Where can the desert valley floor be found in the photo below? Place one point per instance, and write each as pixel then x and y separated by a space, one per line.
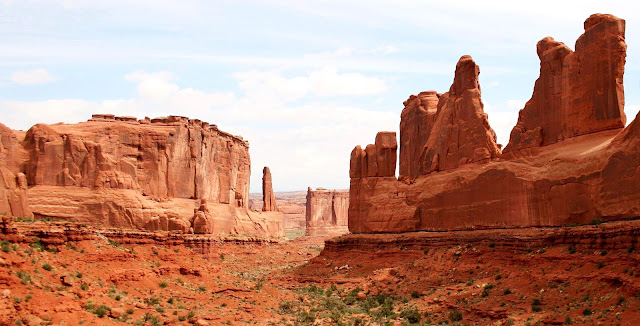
pixel 73 274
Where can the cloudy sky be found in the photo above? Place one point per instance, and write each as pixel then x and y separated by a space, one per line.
pixel 303 81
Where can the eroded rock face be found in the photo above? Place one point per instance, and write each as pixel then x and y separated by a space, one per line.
pixel 577 92
pixel 416 122
pixel 461 133
pixel 593 174
pixel 327 212
pixel 268 197
pixel 172 157
pixel 155 174
pixel 13 183
pixel 376 160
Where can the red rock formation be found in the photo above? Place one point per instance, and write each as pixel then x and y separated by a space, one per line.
pixel 152 174
pixel 326 213
pixel 577 92
pixel 461 133
pixel 268 198
pixel 417 119
pixel 377 160
pixel 291 204
pixel 13 184
pixel 581 179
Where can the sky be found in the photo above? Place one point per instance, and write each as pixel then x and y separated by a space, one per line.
pixel 303 81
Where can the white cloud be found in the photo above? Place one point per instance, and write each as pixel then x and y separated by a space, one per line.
pixel 515 104
pixel 631 111
pixel 323 82
pixel 328 82
pixel 32 77
pixel 304 144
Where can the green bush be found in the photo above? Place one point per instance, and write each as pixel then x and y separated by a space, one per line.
pixel 411 315
pixel 587 312
pixel 455 315
pixel 415 294
pixel 47 267
pixel 101 311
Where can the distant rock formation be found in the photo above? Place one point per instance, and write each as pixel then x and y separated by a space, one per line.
pixel 268 198
pixel 170 173
pixel 326 213
pixel 578 92
pixel 568 161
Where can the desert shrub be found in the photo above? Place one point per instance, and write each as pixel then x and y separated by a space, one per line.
pixel 536 308
pixel 415 294
pixel 47 267
pixel 411 315
pixel 587 312
pixel 285 307
pixel 101 311
pixel 162 284
pixel 572 249
pixel 455 315
pixel 507 291
pixel 24 277
pixel 37 245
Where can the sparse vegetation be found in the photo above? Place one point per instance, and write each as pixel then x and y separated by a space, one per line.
pixel 455 315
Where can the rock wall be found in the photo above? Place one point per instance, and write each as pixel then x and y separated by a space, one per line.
pixel 326 213
pixel 13 183
pixel 577 92
pixel 416 121
pixel 168 173
pixel 464 182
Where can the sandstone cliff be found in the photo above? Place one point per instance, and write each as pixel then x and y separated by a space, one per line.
pixel 461 132
pixel 592 174
pixel 326 213
pixel 577 92
pixel 168 173
pixel 13 183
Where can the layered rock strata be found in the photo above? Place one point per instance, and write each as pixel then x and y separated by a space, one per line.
pixel 326 213
pixel 590 172
pixel 169 173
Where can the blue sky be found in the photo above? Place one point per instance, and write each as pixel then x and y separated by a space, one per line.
pixel 303 81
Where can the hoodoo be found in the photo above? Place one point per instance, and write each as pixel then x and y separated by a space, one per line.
pixel 579 165
pixel 169 173
pixel 268 197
